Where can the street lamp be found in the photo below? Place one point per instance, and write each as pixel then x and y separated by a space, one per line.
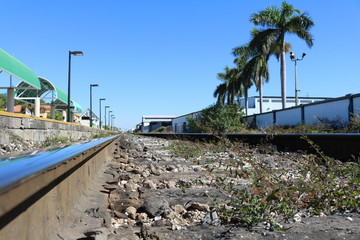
pixel 101 99
pixel 75 53
pixel 294 59
pixel 91 86
pixel 105 114
pixel 112 121
pixel 109 119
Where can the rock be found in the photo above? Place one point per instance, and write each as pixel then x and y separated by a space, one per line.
pixel 110 187
pixel 212 218
pixel 170 168
pixel 131 211
pixel 120 215
pixel 197 206
pixel 297 217
pixel 159 223
pixel 142 217
pixel 171 184
pixel 178 209
pixel 154 170
pixel 149 184
pixel 155 206
pixel 131 187
pixel 97 233
pixel 169 215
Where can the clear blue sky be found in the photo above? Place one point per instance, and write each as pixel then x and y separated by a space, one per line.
pixel 161 57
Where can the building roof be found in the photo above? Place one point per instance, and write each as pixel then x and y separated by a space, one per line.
pixel 17 69
pixel 57 96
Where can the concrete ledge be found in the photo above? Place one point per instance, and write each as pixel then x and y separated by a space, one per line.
pixel 35 129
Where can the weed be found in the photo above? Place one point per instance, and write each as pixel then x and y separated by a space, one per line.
pixel 54 140
pixel 257 192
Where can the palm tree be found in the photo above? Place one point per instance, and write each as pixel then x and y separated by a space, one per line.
pixel 230 88
pixel 279 22
pixel 255 66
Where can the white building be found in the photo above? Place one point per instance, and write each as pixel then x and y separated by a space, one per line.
pixel 275 103
pixel 85 119
pixel 150 123
pixel 179 124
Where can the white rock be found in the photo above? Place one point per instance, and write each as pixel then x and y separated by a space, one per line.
pixel 131 211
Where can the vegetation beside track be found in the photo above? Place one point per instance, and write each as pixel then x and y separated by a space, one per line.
pixel 314 185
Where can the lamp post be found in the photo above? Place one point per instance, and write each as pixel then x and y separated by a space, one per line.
pixel 111 125
pixel 75 53
pixel 91 86
pixel 101 99
pixel 109 119
pixel 294 59
pixel 105 114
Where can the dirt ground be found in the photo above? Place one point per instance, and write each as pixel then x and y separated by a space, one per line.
pixel 146 193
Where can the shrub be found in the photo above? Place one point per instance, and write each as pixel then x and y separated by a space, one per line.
pixel 217 119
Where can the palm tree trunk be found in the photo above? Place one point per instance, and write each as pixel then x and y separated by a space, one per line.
pixel 261 93
pixel 246 102
pixel 283 78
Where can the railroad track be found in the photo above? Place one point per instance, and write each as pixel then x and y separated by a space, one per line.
pixel 339 146
pixel 46 181
pixel 52 180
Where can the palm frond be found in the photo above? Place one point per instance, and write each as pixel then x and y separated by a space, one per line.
pixel 263 41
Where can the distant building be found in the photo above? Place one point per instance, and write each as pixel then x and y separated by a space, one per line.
pixel 84 119
pixel 275 103
pixel 180 124
pixel 152 122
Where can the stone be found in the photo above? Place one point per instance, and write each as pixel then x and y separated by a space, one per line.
pixel 120 215
pixel 159 223
pixel 154 170
pixel 211 218
pixel 97 233
pixel 142 217
pixel 155 206
pixel 197 206
pixel 131 186
pixel 169 215
pixel 171 184
pixel 178 209
pixel 131 211
pixel 149 184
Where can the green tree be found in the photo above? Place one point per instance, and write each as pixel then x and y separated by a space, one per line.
pixel 254 64
pixel 2 101
pixel 279 22
pixel 217 118
pixel 231 88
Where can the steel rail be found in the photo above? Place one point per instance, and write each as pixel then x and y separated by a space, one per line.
pixel 27 179
pixel 341 146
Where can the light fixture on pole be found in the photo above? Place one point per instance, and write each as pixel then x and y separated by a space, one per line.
pixel 109 119
pixel 101 99
pixel 294 59
pixel 75 53
pixel 105 115
pixel 91 112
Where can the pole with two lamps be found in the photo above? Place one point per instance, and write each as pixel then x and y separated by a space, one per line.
pixel 294 59
pixel 75 53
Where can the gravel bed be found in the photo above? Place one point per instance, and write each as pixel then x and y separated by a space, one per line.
pixel 150 194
